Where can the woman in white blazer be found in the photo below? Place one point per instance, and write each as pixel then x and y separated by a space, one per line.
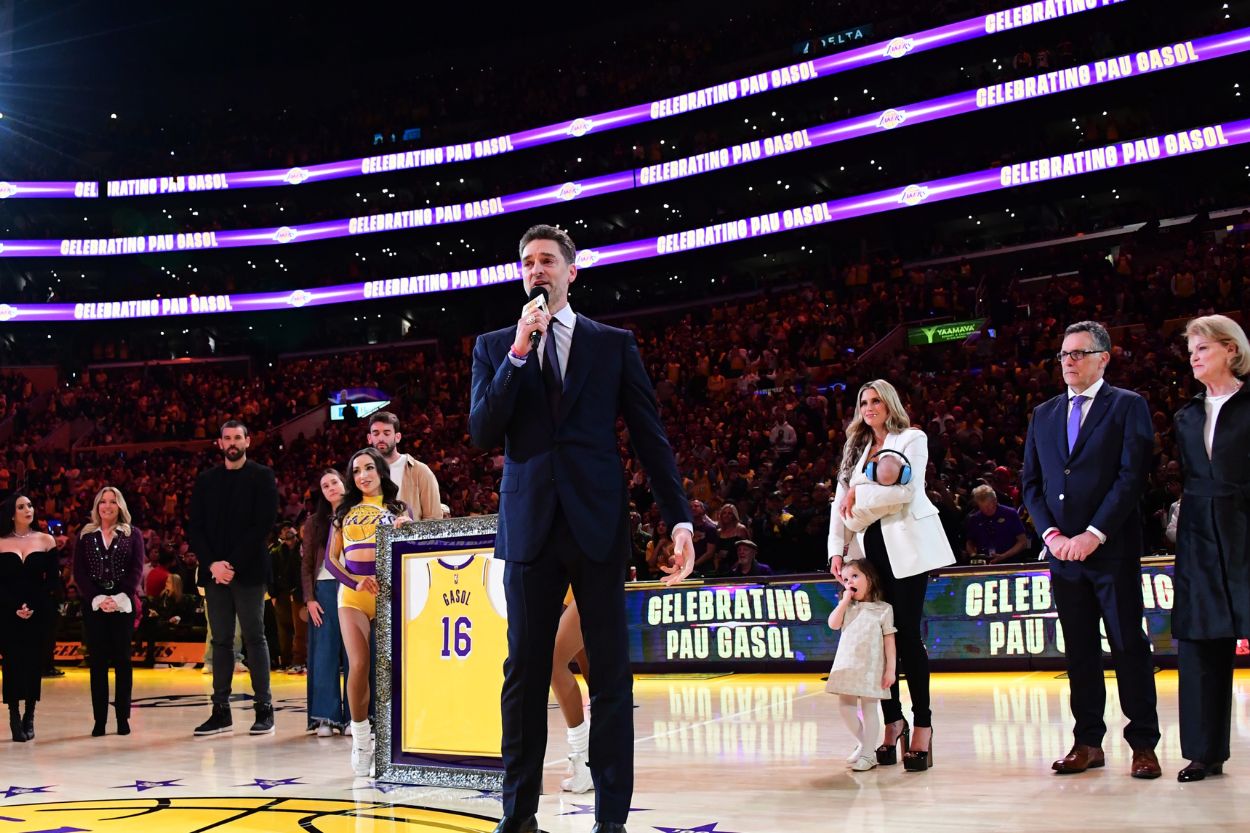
pixel 904 541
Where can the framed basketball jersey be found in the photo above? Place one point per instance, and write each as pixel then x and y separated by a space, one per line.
pixel 455 644
pixel 442 637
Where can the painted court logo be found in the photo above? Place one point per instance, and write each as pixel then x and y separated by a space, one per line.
pixel 914 195
pixel 278 814
pixel 295 176
pixel 285 235
pixel 891 119
pixel 7 313
pixel 899 47
pixel 7 189
pixel 569 191
pixel 580 127
pixel 587 257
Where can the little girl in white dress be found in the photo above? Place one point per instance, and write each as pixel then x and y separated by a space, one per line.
pixel 864 666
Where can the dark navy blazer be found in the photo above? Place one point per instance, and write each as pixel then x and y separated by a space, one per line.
pixel 1100 483
pixel 573 457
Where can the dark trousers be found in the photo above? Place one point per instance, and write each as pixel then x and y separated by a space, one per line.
pixel 534 593
pixel 108 636
pixel 247 602
pixel 21 642
pixel 1085 592
pixel 906 596
pixel 1206 695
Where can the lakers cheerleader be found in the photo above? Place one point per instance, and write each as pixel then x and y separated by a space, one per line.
pixel 372 501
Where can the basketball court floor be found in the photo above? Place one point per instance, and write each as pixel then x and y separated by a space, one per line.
pixel 732 754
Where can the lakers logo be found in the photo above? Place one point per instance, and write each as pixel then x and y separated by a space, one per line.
pixel 7 313
pixel 299 297
pixel 7 189
pixel 235 815
pixel 285 234
pixel 362 522
pixel 914 195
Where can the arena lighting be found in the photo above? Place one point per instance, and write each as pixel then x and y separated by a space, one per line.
pixel 1130 65
pixel 965 30
pixel 1093 160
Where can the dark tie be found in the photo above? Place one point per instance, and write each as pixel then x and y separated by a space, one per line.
pixel 552 379
pixel 1074 420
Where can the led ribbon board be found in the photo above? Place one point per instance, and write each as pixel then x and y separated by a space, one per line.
pixel 968 101
pixel 1093 160
pixel 965 30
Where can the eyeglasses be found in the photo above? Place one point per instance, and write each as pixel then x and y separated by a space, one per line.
pixel 1075 355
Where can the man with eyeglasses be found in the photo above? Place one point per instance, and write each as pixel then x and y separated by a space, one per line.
pixel 1086 458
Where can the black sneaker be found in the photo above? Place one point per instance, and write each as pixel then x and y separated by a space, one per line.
pixel 264 719
pixel 220 722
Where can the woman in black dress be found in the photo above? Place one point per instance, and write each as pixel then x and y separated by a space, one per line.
pixel 1212 574
pixel 108 564
pixel 29 578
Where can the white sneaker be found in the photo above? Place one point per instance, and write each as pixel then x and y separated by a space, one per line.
pixel 579 780
pixel 324 730
pixel 855 753
pixel 362 759
pixel 864 764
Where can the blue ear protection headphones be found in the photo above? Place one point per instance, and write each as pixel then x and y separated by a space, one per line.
pixel 904 476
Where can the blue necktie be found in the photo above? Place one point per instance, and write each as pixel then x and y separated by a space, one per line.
pixel 552 380
pixel 1074 420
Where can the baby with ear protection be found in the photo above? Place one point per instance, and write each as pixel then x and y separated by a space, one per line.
pixel 884 468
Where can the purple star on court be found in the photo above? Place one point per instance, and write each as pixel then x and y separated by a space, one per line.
pixel 270 783
pixel 13 791
pixel 386 787
pixel 587 809
pixel 149 785
pixel 710 827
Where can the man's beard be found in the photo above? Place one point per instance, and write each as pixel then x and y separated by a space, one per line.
pixel 384 448
pixel 233 453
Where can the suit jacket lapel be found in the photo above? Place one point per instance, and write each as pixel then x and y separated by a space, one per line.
pixel 1097 411
pixel 1060 420
pixel 580 362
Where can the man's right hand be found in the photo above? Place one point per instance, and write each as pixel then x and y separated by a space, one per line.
pixel 533 321
pixel 221 571
pixel 314 613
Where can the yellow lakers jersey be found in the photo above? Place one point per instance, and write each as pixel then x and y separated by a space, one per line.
pixel 454 649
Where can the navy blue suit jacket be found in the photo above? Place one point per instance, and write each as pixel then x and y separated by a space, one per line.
pixel 572 458
pixel 1100 483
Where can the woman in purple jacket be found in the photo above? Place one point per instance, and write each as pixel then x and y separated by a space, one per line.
pixel 108 564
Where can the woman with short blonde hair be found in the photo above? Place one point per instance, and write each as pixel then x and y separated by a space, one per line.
pixel 108 566
pixel 1212 574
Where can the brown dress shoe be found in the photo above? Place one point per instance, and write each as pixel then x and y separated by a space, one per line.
pixel 1081 758
pixel 1145 764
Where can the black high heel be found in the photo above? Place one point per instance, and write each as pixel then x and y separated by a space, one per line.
pixel 887 754
pixel 28 721
pixel 15 726
pixel 921 759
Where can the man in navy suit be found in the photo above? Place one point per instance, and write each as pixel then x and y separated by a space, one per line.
pixel 563 517
pixel 1086 458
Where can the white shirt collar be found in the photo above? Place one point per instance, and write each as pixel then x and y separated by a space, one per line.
pixel 566 316
pixel 1089 393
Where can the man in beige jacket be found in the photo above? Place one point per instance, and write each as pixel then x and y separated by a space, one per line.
pixel 418 488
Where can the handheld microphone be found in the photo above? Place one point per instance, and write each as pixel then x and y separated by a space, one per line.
pixel 538 301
